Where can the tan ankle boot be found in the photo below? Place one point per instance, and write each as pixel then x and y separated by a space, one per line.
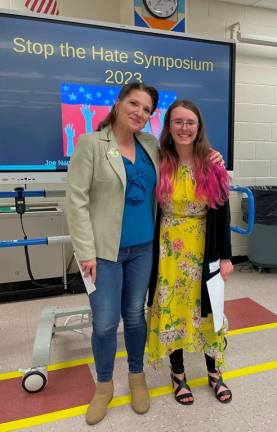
pixel 97 408
pixel 140 400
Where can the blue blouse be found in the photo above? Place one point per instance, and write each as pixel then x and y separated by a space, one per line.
pixel 138 216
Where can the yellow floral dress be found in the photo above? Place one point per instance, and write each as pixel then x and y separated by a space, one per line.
pixel 174 320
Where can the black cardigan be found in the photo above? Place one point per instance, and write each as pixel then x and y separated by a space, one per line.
pixel 217 246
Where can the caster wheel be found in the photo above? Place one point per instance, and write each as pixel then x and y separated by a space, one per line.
pixel 225 343
pixel 34 381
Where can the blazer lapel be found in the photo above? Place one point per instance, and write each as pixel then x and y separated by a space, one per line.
pixel 150 149
pixel 113 154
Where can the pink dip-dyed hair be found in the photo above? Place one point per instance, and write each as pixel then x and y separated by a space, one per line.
pixel 212 180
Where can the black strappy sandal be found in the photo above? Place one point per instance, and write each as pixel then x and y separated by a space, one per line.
pixel 182 399
pixel 218 383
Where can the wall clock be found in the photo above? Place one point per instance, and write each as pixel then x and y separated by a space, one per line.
pixel 161 8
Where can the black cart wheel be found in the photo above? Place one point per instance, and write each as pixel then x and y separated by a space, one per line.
pixel 34 381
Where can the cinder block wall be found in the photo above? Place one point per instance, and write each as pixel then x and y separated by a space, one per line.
pixel 256 80
pixel 255 147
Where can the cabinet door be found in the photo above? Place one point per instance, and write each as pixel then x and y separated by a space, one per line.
pixel 46 260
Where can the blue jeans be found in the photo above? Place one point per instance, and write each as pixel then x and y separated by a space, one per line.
pixel 121 289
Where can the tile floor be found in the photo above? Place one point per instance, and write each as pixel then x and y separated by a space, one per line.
pixel 253 408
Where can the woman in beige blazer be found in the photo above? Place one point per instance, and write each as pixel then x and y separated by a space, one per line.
pixel 110 211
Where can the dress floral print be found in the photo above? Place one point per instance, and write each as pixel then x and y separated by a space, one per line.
pixel 174 320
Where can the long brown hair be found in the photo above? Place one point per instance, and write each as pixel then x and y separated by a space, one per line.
pixel 124 92
pixel 212 180
pixel 201 145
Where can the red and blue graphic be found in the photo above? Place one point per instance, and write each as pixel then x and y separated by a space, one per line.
pixel 84 106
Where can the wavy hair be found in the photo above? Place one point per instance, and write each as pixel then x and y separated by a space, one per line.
pixel 124 92
pixel 212 180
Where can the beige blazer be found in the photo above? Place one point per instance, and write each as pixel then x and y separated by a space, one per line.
pixel 96 183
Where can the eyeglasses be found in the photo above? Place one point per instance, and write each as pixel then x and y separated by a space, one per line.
pixel 178 123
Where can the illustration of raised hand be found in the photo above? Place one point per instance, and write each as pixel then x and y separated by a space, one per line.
pixel 88 115
pixel 111 106
pixel 70 134
pixel 148 127
pixel 161 117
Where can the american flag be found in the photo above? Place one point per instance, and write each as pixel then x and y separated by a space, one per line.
pixel 43 6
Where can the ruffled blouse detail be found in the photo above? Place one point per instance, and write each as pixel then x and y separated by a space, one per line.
pixel 135 174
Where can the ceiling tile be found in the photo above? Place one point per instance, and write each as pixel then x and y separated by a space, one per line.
pixel 267 4
pixel 241 2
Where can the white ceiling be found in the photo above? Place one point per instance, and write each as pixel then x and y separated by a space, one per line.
pixel 268 4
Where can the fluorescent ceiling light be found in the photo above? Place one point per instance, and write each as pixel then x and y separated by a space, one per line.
pixel 256 39
pixel 253 39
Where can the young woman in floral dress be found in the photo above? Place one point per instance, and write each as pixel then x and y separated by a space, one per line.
pixel 194 233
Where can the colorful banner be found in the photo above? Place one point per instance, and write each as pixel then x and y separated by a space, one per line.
pixel 84 106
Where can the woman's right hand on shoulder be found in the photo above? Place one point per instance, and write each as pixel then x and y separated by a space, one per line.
pixel 89 268
pixel 216 157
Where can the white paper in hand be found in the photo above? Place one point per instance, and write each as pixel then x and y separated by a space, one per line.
pixel 216 293
pixel 90 287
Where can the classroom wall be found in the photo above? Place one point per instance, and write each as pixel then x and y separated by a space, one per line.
pixel 255 149
pixel 103 10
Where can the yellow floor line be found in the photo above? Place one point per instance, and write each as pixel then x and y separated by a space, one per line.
pixel 42 419
pixel 61 365
pixel 125 399
pixel 123 354
pixel 9 375
pixel 252 329
pixel 79 362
